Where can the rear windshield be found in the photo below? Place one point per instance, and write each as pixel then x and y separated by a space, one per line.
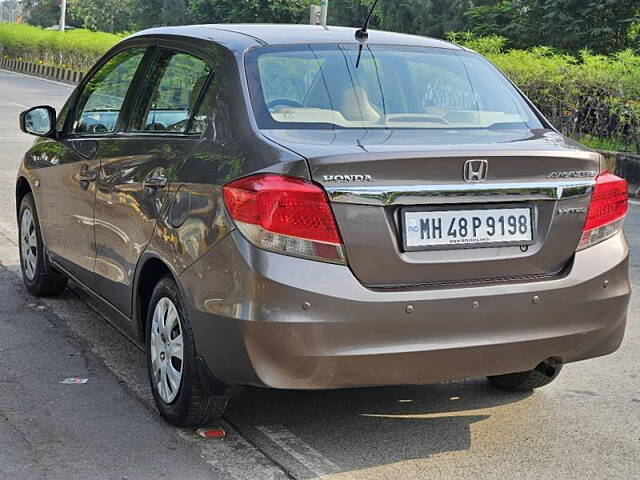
pixel 319 86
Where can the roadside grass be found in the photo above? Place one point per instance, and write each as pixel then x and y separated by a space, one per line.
pixel 592 98
pixel 73 49
pixel 605 143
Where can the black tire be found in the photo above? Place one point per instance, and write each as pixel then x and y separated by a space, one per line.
pixel 193 406
pixel 542 375
pixel 45 280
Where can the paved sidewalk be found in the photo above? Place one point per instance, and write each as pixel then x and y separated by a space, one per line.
pixel 95 430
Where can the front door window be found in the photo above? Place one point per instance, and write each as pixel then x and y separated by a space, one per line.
pixel 101 100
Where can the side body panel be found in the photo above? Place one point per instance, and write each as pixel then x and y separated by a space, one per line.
pixel 65 199
pixel 126 210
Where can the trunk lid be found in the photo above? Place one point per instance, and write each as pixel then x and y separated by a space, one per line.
pixel 373 176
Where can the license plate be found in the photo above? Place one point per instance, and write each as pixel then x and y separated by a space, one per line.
pixel 467 228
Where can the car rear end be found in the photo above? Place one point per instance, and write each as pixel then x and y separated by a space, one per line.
pixel 445 234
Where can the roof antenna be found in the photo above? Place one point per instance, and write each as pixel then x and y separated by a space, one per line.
pixel 362 35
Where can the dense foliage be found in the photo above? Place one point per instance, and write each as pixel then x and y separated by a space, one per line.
pixel 587 96
pixel 603 26
pixel 106 15
pixel 234 11
pixel 76 49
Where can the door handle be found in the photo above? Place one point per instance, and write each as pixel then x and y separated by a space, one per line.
pixel 156 179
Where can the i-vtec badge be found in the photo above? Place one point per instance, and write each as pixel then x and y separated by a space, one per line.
pixel 574 174
pixel 347 178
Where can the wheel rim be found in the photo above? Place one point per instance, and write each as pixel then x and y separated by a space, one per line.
pixel 167 350
pixel 28 244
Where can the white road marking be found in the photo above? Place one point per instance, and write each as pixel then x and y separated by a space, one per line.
pixel 234 457
pixel 422 416
pixel 15 104
pixel 301 451
pixel 635 202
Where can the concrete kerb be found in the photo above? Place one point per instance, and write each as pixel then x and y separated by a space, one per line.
pixel 59 74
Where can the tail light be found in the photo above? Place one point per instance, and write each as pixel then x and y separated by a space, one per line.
pixel 609 204
pixel 285 215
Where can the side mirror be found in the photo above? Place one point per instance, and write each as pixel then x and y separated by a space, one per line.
pixel 39 121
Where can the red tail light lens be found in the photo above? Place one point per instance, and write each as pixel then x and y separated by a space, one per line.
pixel 609 204
pixel 286 215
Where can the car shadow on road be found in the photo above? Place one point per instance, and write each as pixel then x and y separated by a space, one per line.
pixel 363 428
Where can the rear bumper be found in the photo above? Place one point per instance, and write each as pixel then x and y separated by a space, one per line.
pixel 265 319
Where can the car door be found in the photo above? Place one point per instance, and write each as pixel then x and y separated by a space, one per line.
pixel 67 192
pixel 137 167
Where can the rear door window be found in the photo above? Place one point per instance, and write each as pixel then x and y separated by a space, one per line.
pixel 206 110
pixel 172 94
pixel 102 97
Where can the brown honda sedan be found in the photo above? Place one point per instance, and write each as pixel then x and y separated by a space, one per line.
pixel 293 207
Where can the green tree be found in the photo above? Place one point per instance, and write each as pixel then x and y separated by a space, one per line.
pixel 249 11
pixel 434 18
pixel 502 17
pixel 43 13
pixel 599 25
pixel 603 26
pixel 154 13
pixel 352 13
pixel 105 15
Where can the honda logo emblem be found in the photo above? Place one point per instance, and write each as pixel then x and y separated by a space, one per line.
pixel 475 170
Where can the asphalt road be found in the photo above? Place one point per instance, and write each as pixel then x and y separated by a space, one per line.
pixel 585 425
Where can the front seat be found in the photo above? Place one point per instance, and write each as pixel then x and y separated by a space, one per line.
pixel 356 106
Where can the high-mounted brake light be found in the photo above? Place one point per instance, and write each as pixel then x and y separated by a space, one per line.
pixel 609 204
pixel 286 215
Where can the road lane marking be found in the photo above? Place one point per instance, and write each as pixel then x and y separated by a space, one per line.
pixel 301 451
pixel 234 458
pixel 635 202
pixel 425 416
pixel 14 104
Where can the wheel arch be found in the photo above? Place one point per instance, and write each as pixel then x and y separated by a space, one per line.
pixel 22 188
pixel 151 269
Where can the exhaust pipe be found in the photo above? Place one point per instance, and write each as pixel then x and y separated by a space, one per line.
pixel 549 368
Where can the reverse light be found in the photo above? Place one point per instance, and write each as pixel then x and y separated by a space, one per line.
pixel 285 215
pixel 609 204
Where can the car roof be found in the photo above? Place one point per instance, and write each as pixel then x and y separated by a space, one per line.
pixel 241 36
